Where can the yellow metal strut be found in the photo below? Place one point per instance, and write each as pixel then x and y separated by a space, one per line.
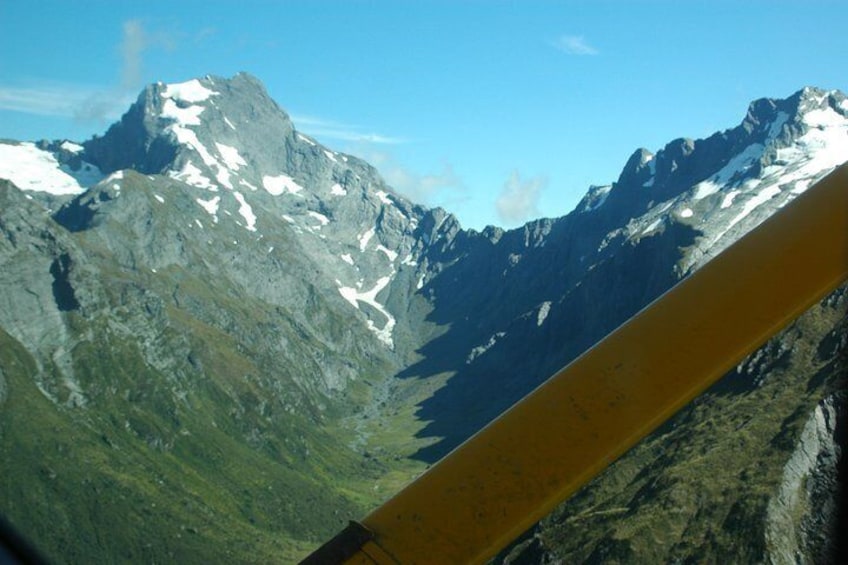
pixel 523 464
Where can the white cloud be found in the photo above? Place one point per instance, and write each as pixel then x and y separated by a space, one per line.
pixel 45 100
pixel 574 45
pixel 103 106
pixel 328 129
pixel 136 40
pixel 86 103
pixel 133 44
pixel 428 188
pixel 204 33
pixel 65 100
pixel 519 198
pixel 82 103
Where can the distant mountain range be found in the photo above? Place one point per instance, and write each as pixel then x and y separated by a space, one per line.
pixel 220 340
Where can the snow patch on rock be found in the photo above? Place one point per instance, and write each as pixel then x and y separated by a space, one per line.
pixel 322 219
pixel 210 206
pixel 481 349
pixel 188 116
pixel 189 91
pixel 280 184
pixel 31 168
pixel 71 146
pixel 369 297
pixel 542 315
pixel 231 156
pixel 191 175
pixel 384 197
pixel 246 212
pixel 387 252
pixel 365 238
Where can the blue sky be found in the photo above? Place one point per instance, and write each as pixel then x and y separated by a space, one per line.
pixel 498 111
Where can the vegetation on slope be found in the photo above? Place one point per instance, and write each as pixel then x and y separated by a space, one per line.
pixel 699 488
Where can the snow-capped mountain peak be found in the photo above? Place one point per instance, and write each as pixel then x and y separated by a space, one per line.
pixel 780 149
pixel 230 146
pixel 728 182
pixel 249 176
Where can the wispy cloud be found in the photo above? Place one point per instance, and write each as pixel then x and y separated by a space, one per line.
pixel 328 129
pixel 96 103
pixel 133 44
pixel 519 198
pixel 574 45
pixel 427 188
pixel 442 185
pixel 136 39
pixel 204 33
pixel 81 102
pixel 50 100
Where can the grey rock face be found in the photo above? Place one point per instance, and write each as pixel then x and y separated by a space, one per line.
pixel 38 275
pixel 801 517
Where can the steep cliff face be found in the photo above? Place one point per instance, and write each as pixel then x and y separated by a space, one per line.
pixel 536 297
pixel 218 334
pixel 801 516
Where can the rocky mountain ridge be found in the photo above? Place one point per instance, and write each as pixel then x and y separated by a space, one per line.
pixel 212 287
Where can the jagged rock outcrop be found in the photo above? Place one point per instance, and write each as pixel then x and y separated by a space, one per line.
pixel 802 515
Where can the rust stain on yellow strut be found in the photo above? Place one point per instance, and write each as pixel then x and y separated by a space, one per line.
pixel 517 469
